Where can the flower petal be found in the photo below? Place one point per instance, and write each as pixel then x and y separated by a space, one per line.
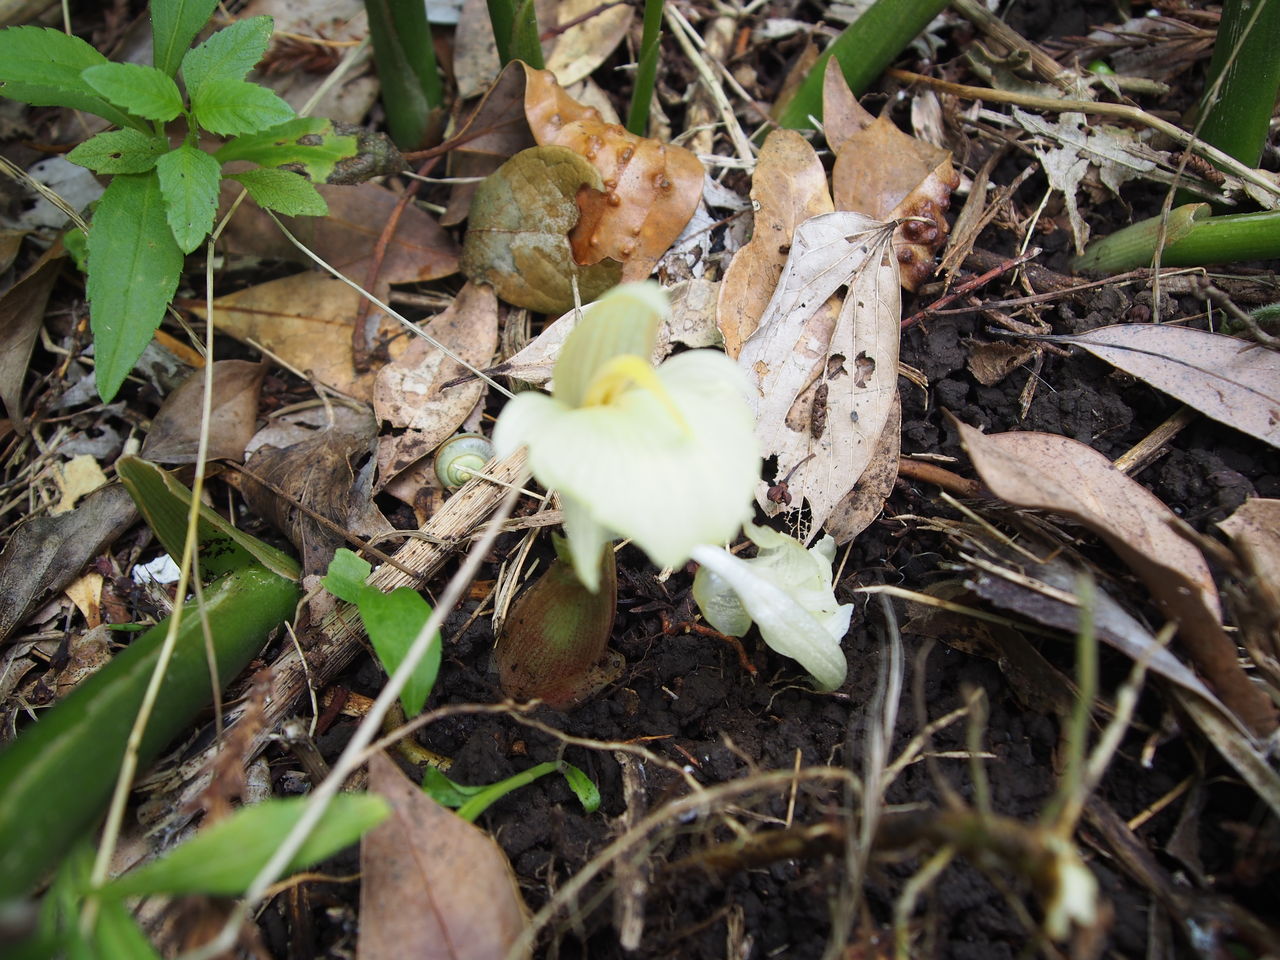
pixel 624 321
pixel 785 625
pixel 522 418
pixel 586 540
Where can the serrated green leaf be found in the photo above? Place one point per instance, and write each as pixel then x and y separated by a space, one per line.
pixel 224 858
pixel 42 66
pixel 119 151
pixel 284 192
pixel 174 24
pixel 143 91
pixel 134 264
pixel 308 143
pixel 229 54
pixel 189 182
pixel 229 107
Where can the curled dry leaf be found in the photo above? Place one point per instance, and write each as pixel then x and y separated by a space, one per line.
pixel 323 475
pixel 175 431
pixel 419 251
pixel 1054 473
pixel 1230 380
pixel 788 187
pixel 517 234
pixel 409 393
pixel 821 399
pixel 432 885
pixel 890 175
pixel 648 189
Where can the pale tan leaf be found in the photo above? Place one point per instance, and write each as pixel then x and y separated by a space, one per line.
pixel 865 501
pixel 1233 381
pixel 1048 472
pixel 175 431
pixel 581 48
pixel 432 886
pixel 788 187
pixel 1256 524
pixel 822 399
pixel 409 393
pixel 305 320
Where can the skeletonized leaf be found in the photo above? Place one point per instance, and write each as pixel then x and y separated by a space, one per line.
pixel 1048 472
pixel 409 393
pixel 432 880
pixel 1232 381
pixel 788 187
pixel 822 399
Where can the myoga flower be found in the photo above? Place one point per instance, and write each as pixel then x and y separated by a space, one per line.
pixel 666 456
pixel 787 591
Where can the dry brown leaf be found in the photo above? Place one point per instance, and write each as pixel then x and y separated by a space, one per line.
pixel 581 48
pixel 21 317
pixel 305 320
pixel 321 474
pixel 1048 472
pixel 649 190
pixel 1233 381
pixel 432 885
pixel 863 503
pixel 890 175
pixel 992 362
pixel 1256 526
pixel 822 399
pixel 788 187
pixel 517 232
pixel 175 431
pixel 419 251
pixel 408 394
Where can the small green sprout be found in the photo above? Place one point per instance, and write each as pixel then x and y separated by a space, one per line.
pixel 787 591
pixel 666 456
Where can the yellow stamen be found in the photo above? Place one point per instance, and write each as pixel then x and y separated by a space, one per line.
pixel 623 372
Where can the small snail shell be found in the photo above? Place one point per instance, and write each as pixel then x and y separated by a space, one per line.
pixel 461 456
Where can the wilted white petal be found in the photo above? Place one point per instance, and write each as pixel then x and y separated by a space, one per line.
pixel 719 603
pixel 785 625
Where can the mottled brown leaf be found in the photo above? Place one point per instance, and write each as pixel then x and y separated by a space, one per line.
pixel 517 232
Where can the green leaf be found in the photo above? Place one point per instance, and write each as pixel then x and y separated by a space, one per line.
pixel 222 548
pixel 228 107
pixel 588 793
pixel 143 91
pixel 117 934
pixel 308 143
pixel 392 621
pixel 444 791
pixel 174 24
pixel 224 859
pixel 478 801
pixel 41 66
pixel 283 191
pixel 189 182
pixel 119 151
pixel 134 264
pixel 229 54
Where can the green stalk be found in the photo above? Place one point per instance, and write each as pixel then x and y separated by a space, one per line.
pixel 1246 59
pixel 1192 239
pixel 863 50
pixel 59 774
pixel 515 30
pixel 646 69
pixel 406 58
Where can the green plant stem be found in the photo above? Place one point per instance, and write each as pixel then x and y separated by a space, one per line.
pixel 646 69
pixel 405 54
pixel 59 774
pixel 863 50
pixel 515 30
pixel 1192 239
pixel 1245 71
